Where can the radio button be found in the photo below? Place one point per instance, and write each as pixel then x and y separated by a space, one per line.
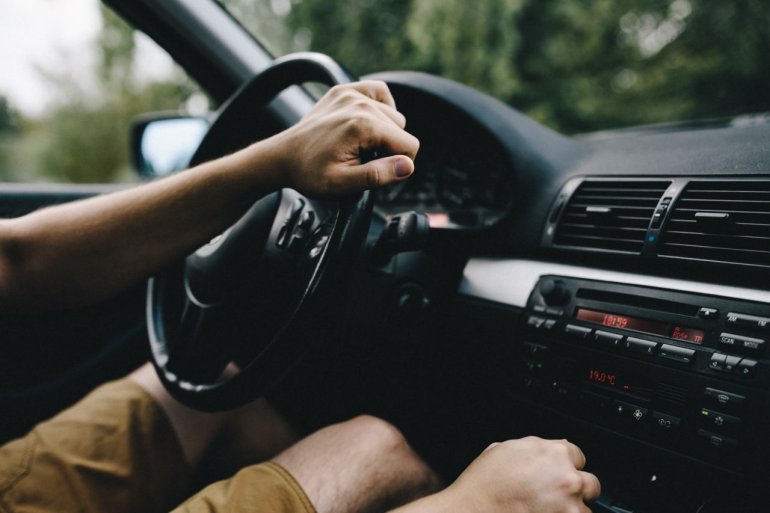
pixel 731 362
pixel 664 422
pixel 577 332
pixel 677 354
pixel 549 324
pixel 747 368
pixel 629 411
pixel 724 398
pixel 638 345
pixel 718 441
pixel 607 339
pixel 748 321
pixel 717 362
pixel 740 342
pixel 534 321
pixel 720 420
pixel 708 313
pixel 554 292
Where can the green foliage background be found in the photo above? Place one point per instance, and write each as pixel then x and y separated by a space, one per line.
pixel 85 137
pixel 575 65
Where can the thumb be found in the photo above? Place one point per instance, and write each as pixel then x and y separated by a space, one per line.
pixel 376 173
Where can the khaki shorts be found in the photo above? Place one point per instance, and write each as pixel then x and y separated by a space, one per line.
pixel 114 452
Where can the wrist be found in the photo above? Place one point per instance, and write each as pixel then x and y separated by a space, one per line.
pixel 276 156
pixel 265 164
pixel 440 502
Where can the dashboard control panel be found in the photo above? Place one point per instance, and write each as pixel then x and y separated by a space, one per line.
pixel 682 371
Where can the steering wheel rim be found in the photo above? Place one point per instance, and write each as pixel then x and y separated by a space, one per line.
pixel 187 361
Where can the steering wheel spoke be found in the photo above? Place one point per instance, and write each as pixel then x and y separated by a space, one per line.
pixel 194 353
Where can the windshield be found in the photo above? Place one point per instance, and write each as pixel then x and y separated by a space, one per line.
pixel 575 65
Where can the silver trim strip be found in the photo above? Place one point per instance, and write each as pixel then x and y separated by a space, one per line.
pixel 511 281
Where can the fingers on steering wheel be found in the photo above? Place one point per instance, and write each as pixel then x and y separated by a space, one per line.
pixel 394 141
pixel 575 454
pixel 389 113
pixel 591 486
pixel 376 90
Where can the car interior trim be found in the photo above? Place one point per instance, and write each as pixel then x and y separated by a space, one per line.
pixel 510 281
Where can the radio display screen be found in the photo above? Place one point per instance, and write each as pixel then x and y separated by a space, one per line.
pixel 629 383
pixel 663 329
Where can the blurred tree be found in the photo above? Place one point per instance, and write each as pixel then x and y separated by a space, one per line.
pixel 9 118
pixel 576 65
pixel 9 128
pixel 89 144
pixel 116 48
pixel 86 137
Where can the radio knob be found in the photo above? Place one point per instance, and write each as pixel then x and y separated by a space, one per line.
pixel 555 292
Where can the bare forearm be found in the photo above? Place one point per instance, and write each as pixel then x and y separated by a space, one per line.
pixel 72 254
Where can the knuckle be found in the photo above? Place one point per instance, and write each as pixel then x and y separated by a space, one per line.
pixel 350 95
pixel 571 483
pixel 363 105
pixel 337 90
pixel 354 127
pixel 561 447
pixel 362 123
pixel 373 177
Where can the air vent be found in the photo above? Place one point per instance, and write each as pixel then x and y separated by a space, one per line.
pixel 721 221
pixel 609 215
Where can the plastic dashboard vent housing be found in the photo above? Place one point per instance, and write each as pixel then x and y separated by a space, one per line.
pixel 610 215
pixel 720 221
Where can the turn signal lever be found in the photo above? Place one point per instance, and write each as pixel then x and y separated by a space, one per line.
pixel 404 232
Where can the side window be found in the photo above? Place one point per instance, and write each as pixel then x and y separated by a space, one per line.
pixel 73 77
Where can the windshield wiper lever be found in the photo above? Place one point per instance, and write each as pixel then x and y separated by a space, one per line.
pixel 404 232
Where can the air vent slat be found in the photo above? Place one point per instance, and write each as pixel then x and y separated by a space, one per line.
pixel 749 209
pixel 612 204
pixel 609 215
pixel 741 236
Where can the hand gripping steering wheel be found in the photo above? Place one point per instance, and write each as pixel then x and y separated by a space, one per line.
pixel 262 292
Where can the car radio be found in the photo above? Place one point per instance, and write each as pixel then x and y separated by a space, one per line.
pixel 680 370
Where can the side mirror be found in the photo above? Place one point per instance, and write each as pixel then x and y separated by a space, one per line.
pixel 162 144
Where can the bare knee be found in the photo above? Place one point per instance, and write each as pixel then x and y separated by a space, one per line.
pixel 377 436
pixel 363 464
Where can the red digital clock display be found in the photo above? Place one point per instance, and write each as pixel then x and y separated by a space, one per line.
pixel 625 322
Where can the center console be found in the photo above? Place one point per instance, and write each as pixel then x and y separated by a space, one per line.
pixel 681 371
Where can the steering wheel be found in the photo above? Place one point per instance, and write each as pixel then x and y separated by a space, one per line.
pixel 264 290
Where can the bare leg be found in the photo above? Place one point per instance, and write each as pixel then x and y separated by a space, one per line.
pixel 362 465
pixel 250 434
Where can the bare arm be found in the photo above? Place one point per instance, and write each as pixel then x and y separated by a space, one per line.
pixel 82 252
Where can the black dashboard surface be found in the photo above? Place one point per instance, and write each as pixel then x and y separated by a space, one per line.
pixel 522 170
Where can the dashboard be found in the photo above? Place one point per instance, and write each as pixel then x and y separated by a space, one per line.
pixel 623 282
